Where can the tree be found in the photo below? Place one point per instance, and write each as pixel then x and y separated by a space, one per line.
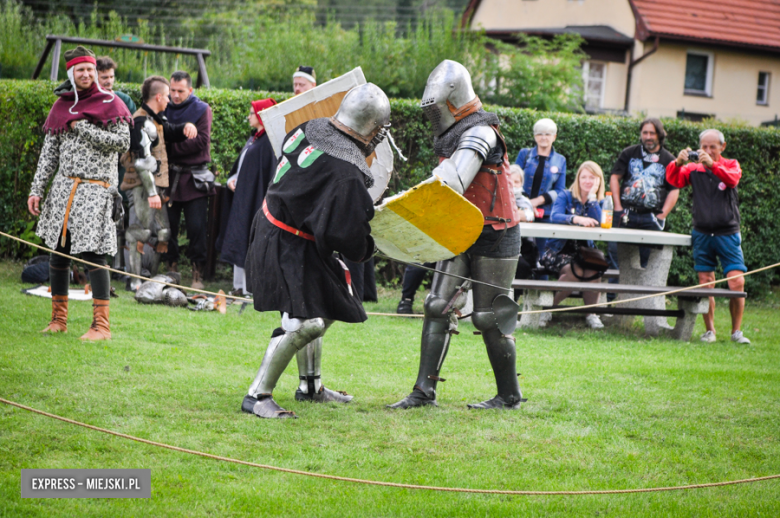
pixel 537 73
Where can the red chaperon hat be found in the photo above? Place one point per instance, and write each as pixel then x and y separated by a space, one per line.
pixel 262 104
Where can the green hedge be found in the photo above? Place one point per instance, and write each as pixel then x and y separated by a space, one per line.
pixel 24 105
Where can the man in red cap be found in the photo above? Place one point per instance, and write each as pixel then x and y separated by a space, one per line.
pixel 85 129
pixel 247 185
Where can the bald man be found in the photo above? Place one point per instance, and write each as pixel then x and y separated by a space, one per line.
pixel 716 221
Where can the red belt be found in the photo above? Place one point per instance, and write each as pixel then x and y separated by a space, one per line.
pixel 283 226
pixel 304 235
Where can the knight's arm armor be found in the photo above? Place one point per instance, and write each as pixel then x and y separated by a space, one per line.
pixel 145 163
pixel 459 170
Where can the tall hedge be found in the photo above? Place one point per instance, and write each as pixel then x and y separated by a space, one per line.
pixel 25 104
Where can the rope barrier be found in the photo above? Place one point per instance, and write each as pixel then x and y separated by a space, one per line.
pixel 245 299
pixel 382 483
pixel 374 482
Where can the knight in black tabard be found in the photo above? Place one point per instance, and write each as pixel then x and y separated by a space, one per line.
pixel 317 206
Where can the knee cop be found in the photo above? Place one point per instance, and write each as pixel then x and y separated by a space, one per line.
pixel 502 316
pixel 301 332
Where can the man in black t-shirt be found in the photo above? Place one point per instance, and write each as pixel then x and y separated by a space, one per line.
pixel 642 196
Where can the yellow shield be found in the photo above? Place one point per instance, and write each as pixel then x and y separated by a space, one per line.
pixel 429 222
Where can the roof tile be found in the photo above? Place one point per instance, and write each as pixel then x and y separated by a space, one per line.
pixel 754 23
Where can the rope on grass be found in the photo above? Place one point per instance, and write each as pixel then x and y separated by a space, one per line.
pixel 245 299
pixel 387 484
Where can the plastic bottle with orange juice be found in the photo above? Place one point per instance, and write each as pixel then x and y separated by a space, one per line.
pixel 607 211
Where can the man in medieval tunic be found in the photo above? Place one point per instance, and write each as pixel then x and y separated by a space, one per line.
pixel 317 205
pixel 85 130
pixel 472 161
pixel 147 170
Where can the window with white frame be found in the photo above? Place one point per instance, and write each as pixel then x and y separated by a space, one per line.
pixel 762 97
pixel 594 79
pixel 698 73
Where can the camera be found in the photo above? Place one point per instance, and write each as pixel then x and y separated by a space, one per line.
pixel 693 156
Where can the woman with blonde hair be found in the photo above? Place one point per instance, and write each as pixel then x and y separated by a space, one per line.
pixel 578 205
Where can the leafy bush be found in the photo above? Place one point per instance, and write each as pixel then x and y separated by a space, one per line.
pixel 25 104
pixel 256 46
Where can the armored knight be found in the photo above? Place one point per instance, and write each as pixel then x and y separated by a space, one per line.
pixel 147 170
pixel 472 161
pixel 316 206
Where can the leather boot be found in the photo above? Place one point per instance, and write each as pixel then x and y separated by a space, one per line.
pixel 99 329
pixel 197 277
pixel 59 315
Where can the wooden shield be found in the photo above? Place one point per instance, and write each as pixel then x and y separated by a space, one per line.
pixel 430 222
pixel 324 101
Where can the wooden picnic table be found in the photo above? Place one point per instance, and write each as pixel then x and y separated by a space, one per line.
pixel 631 273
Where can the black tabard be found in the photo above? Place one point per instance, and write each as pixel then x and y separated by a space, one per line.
pixel 323 196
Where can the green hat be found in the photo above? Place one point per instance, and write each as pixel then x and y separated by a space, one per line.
pixel 79 55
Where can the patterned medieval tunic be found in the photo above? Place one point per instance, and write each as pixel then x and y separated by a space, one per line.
pixel 90 152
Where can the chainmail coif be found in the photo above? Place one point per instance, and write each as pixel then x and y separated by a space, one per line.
pixel 447 143
pixel 324 136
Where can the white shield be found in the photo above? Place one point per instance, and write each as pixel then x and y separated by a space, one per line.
pixel 324 101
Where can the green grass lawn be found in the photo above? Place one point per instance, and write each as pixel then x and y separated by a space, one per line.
pixel 605 410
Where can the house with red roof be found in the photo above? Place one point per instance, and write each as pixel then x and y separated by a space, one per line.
pixel 691 59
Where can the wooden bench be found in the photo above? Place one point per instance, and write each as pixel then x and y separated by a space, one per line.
pixel 538 295
pixel 611 273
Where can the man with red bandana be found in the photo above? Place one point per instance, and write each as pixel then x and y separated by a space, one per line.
pixel 85 129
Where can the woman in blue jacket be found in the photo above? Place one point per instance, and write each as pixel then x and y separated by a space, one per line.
pixel 580 205
pixel 545 170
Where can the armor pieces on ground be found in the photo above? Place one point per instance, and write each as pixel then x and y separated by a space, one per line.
pixel 174 297
pixel 476 163
pixel 151 292
pixel 364 114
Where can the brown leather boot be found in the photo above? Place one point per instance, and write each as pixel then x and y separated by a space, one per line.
pixel 59 315
pixel 99 329
pixel 197 277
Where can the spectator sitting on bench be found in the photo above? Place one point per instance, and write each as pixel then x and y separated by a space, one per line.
pixel 529 253
pixel 716 220
pixel 580 205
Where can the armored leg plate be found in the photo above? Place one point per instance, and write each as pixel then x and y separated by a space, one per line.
pixel 498 403
pixel 266 408
pixel 417 398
